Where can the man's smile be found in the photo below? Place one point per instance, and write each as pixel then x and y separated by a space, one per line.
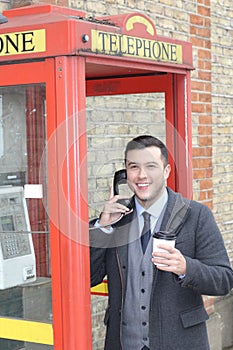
pixel 143 186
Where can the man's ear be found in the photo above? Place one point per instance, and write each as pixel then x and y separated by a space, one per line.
pixel 167 171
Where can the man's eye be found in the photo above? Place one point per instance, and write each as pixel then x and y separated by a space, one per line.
pixel 133 167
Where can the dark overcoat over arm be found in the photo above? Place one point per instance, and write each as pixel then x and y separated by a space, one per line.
pixel 177 314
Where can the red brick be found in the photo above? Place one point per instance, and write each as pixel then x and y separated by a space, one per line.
pixel 206 119
pixel 204 130
pixel 208 87
pixel 204 11
pixel 198 152
pixel 205 97
pixel 202 196
pixel 193 30
pixel 203 32
pixel 194 19
pixel 208 44
pixel 197 108
pixel 197 85
pixel 206 2
pixel 209 204
pixel 194 96
pixel 206 196
pixel 205 140
pixel 204 75
pixel 207 22
pixel 204 185
pixel 199 174
pixel 62 3
pixel 208 153
pixel 205 163
pixel 208 65
pixel 208 108
pixel 201 64
pixel 206 54
pixel 196 163
pixel 197 42
pixel 208 173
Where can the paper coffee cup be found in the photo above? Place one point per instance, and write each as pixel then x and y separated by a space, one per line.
pixel 163 238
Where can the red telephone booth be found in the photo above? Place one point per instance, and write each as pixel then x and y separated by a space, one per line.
pixel 52 59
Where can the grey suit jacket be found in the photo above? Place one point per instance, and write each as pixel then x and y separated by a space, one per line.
pixel 177 314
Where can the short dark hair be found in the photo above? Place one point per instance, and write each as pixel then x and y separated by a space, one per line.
pixel 144 141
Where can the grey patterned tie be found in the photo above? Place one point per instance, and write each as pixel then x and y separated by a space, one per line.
pixel 145 236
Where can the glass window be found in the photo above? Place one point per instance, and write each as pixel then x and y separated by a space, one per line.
pixel 25 280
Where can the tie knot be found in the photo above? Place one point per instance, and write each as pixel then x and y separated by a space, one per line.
pixel 146 216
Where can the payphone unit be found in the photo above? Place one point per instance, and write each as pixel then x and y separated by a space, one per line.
pixel 17 257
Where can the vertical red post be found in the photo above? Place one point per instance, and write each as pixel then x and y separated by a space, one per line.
pixel 183 138
pixel 69 230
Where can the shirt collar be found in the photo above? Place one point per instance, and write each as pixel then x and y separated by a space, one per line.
pixel 156 208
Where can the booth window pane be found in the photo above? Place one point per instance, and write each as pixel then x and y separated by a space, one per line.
pixel 111 122
pixel 25 281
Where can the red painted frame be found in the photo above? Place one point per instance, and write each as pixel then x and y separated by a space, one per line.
pixel 65 77
pixel 69 245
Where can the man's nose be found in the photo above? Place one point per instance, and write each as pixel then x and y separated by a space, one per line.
pixel 142 172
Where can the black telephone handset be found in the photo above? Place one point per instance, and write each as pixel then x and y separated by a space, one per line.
pixel 120 177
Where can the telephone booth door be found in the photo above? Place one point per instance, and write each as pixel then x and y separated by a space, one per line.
pixel 73 91
pixel 25 307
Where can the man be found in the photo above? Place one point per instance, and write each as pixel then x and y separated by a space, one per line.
pixel 157 307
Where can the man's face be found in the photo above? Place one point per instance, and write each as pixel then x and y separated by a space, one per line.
pixel 146 174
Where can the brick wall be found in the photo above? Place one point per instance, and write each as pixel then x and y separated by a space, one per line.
pixel 201 103
pixel 111 122
pixel 208 24
pixel 222 116
pixel 4 5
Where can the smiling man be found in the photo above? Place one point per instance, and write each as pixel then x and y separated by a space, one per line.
pixel 157 307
